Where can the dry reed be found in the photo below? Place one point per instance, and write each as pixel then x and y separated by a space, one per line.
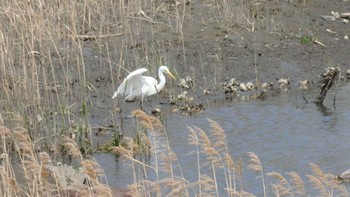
pixel 297 182
pixel 282 187
pixel 31 173
pixel 47 81
pixel 325 183
pixel 143 118
pixel 256 166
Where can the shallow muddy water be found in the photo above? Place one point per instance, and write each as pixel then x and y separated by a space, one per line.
pixel 285 132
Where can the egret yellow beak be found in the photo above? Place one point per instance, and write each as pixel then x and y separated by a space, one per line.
pixel 171 75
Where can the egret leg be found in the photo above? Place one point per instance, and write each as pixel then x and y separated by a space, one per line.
pixel 141 103
pixel 147 103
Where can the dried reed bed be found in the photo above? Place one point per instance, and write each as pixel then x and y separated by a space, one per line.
pixel 214 162
pixel 47 81
pixel 49 73
pixel 30 172
pixel 50 51
pixel 26 170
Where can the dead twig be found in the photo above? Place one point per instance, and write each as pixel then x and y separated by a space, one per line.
pixel 318 42
pixel 94 37
pixel 302 94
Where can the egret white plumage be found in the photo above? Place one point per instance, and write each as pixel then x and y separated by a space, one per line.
pixel 135 85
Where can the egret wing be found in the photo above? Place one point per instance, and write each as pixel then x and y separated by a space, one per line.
pixel 149 86
pixel 131 86
pixel 137 72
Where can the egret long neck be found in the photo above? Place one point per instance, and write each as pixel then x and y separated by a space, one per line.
pixel 161 83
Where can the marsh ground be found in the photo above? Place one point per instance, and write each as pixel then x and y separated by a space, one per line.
pixel 62 61
pixel 212 44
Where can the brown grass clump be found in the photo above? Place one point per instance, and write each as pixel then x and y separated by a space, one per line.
pixel 27 172
pixel 127 151
pixel 92 169
pixel 72 147
pixel 4 131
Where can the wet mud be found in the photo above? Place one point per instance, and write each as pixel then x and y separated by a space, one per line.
pixel 290 40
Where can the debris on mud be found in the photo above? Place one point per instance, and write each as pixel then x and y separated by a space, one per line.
pixel 233 86
pixel 184 97
pixel 156 110
pixel 283 84
pixel 267 86
pixel 230 87
pixel 250 86
pixel 186 83
pixel 336 15
pixel 348 74
pixel 304 85
pixel 190 109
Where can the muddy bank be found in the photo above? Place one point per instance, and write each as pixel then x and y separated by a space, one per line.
pixel 278 43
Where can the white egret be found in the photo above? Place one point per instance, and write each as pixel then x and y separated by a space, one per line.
pixel 135 85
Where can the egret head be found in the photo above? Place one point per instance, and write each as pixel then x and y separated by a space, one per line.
pixel 166 70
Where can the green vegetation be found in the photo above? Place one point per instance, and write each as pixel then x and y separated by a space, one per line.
pixel 306 39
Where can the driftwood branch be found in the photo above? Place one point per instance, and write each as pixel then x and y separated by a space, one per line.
pixel 94 37
pixel 326 82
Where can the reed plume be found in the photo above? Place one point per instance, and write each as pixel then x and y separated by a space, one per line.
pixel 297 182
pixel 126 152
pixel 156 123
pixel 318 185
pixel 220 142
pixel 208 185
pixel 167 161
pixel 240 193
pixel 193 140
pixel 1 120
pixel 256 166
pixel 208 148
pixel 178 186
pixel 143 118
pixel 92 169
pixel 72 147
pixel 4 131
pixel 216 151
pixel 282 187
pixel 45 161
pixel 325 183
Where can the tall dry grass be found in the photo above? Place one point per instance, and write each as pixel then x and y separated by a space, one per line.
pixel 217 172
pixel 49 54
pixel 26 170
